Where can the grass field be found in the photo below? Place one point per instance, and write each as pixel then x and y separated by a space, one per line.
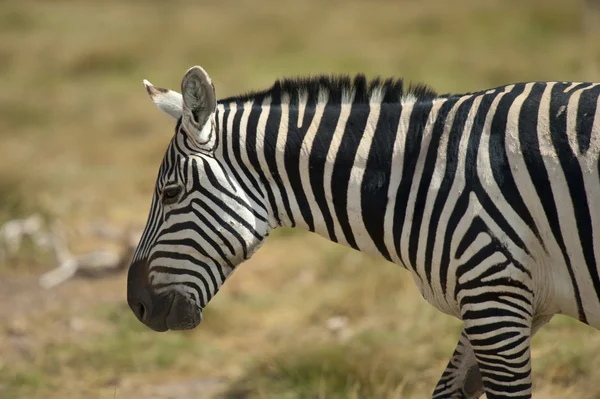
pixel 81 143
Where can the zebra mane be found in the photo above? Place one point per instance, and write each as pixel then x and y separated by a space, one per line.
pixel 337 89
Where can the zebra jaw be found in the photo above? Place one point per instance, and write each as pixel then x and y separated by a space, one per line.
pixel 168 101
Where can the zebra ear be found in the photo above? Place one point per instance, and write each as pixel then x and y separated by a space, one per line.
pixel 199 103
pixel 168 101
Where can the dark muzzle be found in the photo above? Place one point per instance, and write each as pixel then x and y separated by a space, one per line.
pixel 160 312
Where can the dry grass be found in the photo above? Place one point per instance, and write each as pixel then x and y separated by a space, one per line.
pixel 82 142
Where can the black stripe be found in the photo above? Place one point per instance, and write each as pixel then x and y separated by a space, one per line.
pixel 152 225
pixel 588 102
pixel 169 163
pixel 577 87
pixel 253 118
pixel 270 151
pixel 376 179
pixel 217 132
pixel 225 154
pixel 293 148
pixel 456 215
pixel 237 171
pixel 317 160
pixel 493 327
pixel 236 141
pixel 476 227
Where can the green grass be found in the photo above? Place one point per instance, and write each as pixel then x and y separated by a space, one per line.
pixel 332 369
pixel 126 347
pixel 82 142
pixel 372 364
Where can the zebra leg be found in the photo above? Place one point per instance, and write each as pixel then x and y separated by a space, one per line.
pixel 461 379
pixel 498 324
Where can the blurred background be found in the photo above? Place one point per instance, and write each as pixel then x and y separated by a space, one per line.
pixel 80 148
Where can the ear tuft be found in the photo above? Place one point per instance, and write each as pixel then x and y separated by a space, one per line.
pixel 149 88
pixel 168 101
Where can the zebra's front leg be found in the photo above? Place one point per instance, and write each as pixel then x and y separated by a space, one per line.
pixel 498 318
pixel 461 378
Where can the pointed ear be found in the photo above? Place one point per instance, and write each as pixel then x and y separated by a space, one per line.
pixel 199 103
pixel 168 101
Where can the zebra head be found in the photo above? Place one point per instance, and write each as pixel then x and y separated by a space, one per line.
pixel 202 223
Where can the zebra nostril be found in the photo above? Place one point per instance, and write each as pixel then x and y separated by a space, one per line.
pixel 141 311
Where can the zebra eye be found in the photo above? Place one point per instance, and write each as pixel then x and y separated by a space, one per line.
pixel 170 194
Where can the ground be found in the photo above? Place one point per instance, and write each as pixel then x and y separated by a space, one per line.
pixel 81 144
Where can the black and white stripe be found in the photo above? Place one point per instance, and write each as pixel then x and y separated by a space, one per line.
pixel 486 198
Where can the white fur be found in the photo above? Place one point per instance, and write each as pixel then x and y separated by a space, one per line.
pixel 169 102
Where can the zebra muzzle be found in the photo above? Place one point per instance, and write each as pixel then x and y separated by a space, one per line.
pixel 160 312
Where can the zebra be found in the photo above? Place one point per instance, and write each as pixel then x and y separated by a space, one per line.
pixel 486 198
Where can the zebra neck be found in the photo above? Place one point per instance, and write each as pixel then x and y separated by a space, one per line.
pixel 331 169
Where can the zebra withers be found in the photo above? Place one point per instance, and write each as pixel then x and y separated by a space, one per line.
pixel 486 198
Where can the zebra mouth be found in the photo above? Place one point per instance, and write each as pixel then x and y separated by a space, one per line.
pixel 183 314
pixel 159 311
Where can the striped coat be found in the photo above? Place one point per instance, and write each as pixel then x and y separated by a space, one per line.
pixel 486 198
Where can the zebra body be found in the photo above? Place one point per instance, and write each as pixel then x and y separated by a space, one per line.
pixel 486 198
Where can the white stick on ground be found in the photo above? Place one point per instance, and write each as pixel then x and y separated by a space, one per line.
pixel 93 264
